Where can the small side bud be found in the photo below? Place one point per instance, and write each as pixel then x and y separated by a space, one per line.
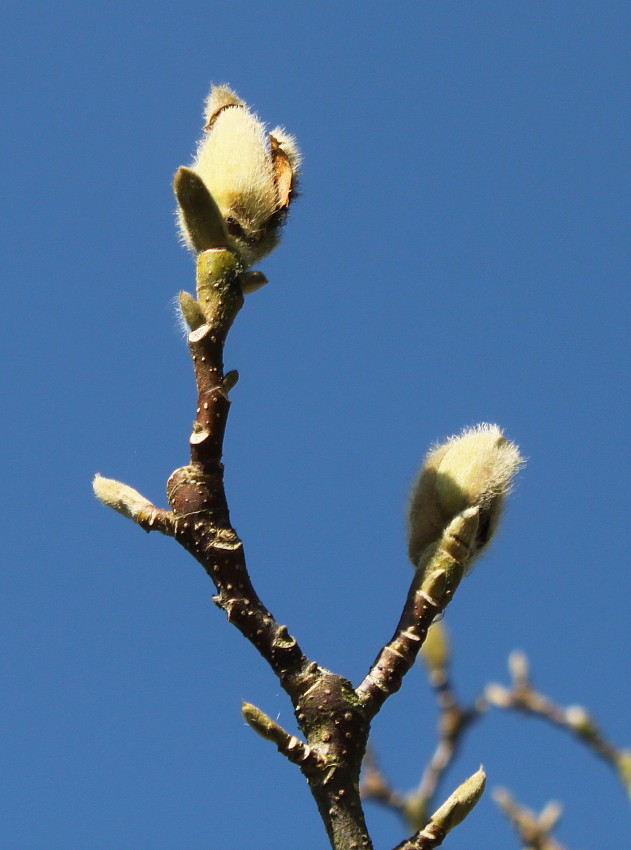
pixel 230 380
pixel 518 667
pixel 472 470
pixel 191 311
pixel 549 816
pixel 251 281
pixel 460 803
pixel 262 723
pixel 498 695
pixel 120 497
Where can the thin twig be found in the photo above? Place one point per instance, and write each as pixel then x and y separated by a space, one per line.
pixel 532 829
pixel 522 696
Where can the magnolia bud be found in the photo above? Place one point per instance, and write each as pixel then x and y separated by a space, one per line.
pixel 579 720
pixel 460 803
pixel 474 469
pixel 249 173
pixel 121 497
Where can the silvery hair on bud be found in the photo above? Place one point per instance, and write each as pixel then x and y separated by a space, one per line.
pixel 472 469
pixel 249 172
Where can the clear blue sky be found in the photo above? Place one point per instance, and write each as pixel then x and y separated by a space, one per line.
pixel 459 254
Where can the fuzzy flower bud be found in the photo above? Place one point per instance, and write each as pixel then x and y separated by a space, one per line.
pixel 472 470
pixel 249 174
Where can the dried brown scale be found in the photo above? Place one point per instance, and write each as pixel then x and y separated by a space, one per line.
pixel 431 836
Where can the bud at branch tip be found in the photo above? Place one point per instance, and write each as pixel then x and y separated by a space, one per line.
pixel 471 472
pixel 240 184
pixel 120 497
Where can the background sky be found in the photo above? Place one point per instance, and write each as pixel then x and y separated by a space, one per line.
pixel 457 255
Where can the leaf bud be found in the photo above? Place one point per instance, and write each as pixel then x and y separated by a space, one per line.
pixel 580 721
pixel 460 803
pixel 121 497
pixel 518 667
pixel 498 695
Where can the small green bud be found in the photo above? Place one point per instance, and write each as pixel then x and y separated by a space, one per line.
pixel 472 470
pixel 251 281
pixel 262 723
pixel 460 803
pixel 191 311
pixel 229 380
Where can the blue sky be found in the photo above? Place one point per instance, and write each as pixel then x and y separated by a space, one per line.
pixel 457 255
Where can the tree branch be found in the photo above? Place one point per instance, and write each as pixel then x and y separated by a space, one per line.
pixel 532 829
pixel 523 697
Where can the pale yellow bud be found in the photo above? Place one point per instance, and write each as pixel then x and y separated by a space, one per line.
pixel 623 763
pixel 518 666
pixel 578 719
pixel 498 695
pixel 249 173
pixel 121 497
pixel 460 803
pixel 473 469
pixel 435 651
pixel 549 816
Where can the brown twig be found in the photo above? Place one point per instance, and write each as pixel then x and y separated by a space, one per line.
pixel 532 829
pixel 453 721
pixel 427 838
pixel 397 656
pixel 522 696
pixel 333 716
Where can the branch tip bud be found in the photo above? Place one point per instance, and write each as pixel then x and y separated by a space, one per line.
pixel 262 724
pixel 461 802
pixel 249 174
pixel 518 666
pixel 580 721
pixel 473 470
pixel 497 695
